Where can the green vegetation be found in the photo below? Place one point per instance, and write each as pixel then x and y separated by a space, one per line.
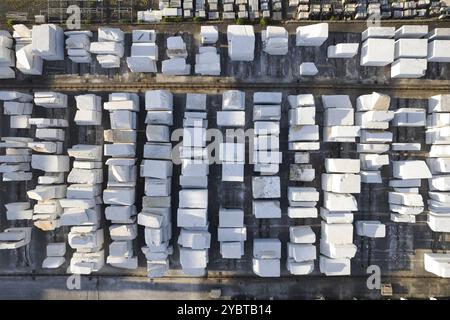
pixel 10 23
pixel 263 22
pixel 197 19
pixel 240 21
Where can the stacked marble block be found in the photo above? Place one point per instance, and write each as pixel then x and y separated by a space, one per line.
pixel 27 61
pixel 177 53
pixel 438 124
pixel 109 48
pixel 232 115
pixel 55 255
pixel 47 41
pixel 437 263
pixel 192 216
pixel 373 117
pixel 339 183
pixel 120 194
pixel 301 255
pixel 313 35
pixel 370 229
pixel 49 157
pixel 15 238
pixel 78 45
pixel 15 164
pixel 303 138
pixel 7 56
pixel 339 119
pixel 82 209
pixel 89 110
pixel 33 46
pixel 378 46
pixel 343 50
pixel 266 154
pixel 144 52
pixel 302 200
pixel 19 107
pixel 301 250
pixel 207 61
pixel 232 231
pixel 410 52
pixel 405 202
pixel 275 40
pixel 156 168
pixel 266 257
pixel 439 45
pixel 266 189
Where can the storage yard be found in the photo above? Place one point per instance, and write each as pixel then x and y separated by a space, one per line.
pixel 346 166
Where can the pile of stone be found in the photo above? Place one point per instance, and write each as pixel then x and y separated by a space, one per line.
pixel 370 229
pixel 47 42
pixel 373 118
pixel 438 122
pixel 15 164
pixel 19 211
pixel 156 168
pixel 27 61
pixel 340 181
pixel 343 50
pixel 241 42
pixel 120 194
pixel 437 263
pixel 303 138
pixel 266 155
pixel 209 35
pixel 313 35
pixel 302 202
pixel 14 238
pixel 50 100
pixel 232 231
pixel 78 44
pixel 301 250
pixel 176 52
pixel 339 119
pixel 109 48
pixel 144 51
pixel 7 56
pixel 308 69
pixel 405 201
pixel 266 257
pixel 55 255
pixel 409 117
pixel 410 52
pixel 378 46
pixel 49 157
pixel 192 215
pixel 233 110
pixel 207 61
pixel 89 110
pixel 275 41
pixel 439 45
pixel 82 206
pixel 213 7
